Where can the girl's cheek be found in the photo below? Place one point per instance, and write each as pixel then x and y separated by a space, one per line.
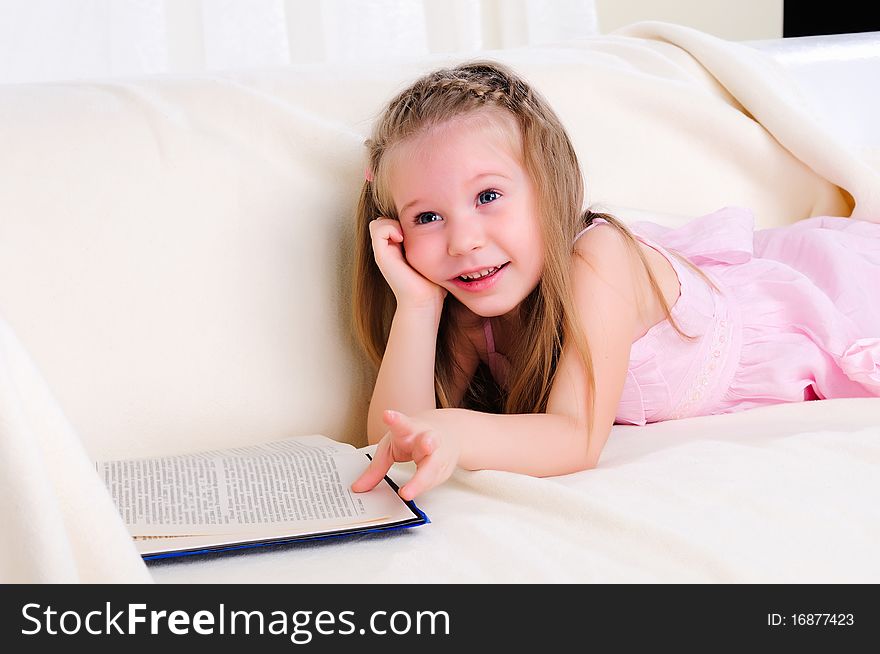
pixel 420 253
pixel 411 247
pixel 413 243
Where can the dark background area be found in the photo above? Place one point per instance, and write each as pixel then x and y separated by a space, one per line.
pixel 808 17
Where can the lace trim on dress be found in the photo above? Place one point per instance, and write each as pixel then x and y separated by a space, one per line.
pixel 716 368
pixel 693 396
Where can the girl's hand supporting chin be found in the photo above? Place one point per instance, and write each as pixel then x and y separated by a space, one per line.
pixel 408 438
pixel 410 288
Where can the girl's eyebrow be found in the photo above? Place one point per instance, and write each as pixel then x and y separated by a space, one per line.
pixel 470 181
pixel 481 175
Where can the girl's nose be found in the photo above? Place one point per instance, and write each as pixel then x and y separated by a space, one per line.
pixel 464 235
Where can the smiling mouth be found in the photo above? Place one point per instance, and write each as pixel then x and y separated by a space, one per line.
pixel 492 271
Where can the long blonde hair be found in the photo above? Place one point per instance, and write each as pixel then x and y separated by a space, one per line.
pixel 550 161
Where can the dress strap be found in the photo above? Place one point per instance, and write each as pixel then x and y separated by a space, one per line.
pixel 499 366
pixel 593 223
pixel 490 340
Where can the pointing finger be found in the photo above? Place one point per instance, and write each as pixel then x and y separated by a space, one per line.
pixel 377 469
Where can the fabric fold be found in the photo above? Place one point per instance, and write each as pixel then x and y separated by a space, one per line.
pixel 861 362
pixel 723 236
pixel 643 380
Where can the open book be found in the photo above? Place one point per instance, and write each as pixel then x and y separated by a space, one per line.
pixel 289 490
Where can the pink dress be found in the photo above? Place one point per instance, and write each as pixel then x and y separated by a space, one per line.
pixel 798 318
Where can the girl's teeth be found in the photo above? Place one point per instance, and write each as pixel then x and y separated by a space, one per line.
pixel 470 278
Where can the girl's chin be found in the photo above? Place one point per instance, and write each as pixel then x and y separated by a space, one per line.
pixel 485 309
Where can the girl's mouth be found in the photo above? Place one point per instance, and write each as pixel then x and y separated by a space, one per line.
pixel 483 283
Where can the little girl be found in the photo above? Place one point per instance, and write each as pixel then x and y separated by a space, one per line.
pixel 512 329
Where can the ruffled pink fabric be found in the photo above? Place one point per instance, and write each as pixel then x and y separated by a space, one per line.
pixel 861 362
pixel 798 317
pixel 724 236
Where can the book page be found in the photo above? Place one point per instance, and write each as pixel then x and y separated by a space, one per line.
pixel 296 486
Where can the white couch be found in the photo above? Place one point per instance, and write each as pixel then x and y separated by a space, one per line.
pixel 174 258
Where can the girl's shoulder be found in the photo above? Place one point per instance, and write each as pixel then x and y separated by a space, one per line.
pixel 606 251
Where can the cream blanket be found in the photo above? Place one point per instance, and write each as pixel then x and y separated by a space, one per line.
pixel 720 498
pixel 766 93
pixel 59 523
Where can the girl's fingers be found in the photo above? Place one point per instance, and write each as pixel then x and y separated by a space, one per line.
pixel 425 478
pixel 385 238
pixel 403 430
pixel 411 436
pixel 405 437
pixel 385 228
pixel 378 467
pixel 390 417
pixel 400 423
pixel 394 234
pixel 424 447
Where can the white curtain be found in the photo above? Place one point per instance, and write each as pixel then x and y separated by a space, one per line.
pixel 49 40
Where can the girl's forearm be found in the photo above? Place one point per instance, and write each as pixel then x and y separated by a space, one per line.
pixel 536 444
pixel 406 376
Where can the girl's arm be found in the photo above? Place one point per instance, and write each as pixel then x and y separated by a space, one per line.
pixel 424 325
pixel 406 375
pixel 536 444
pixel 607 294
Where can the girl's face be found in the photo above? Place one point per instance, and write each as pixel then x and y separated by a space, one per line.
pixel 466 205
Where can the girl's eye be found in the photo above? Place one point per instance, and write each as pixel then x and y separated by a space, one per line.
pixel 485 197
pixel 419 220
pixel 489 194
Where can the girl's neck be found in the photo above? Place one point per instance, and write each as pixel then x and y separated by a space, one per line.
pixel 469 319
